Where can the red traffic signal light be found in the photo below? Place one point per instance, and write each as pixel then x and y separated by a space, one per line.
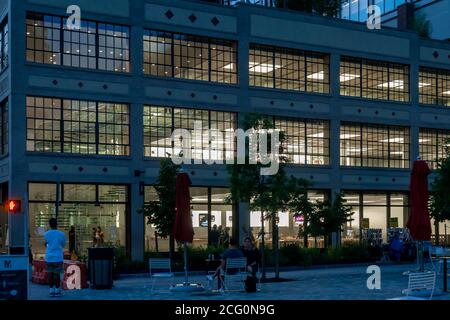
pixel 14 206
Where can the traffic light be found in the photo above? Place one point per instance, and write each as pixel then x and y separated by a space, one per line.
pixel 14 206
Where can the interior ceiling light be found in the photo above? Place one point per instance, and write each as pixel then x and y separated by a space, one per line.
pixel 317 76
pixel 348 76
pixel 262 67
pixel 394 84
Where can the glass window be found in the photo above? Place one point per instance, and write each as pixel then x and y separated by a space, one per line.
pixel 95 46
pixel 307 141
pixel 80 209
pixel 42 192
pixel 160 122
pixel 432 145
pixel 374 79
pixel 113 127
pixel 374 213
pixel 4 129
pixel 190 57
pixel 289 69
pixel 76 126
pixel 378 146
pixel 79 192
pixel 80 46
pixel 434 86
pixel 4 44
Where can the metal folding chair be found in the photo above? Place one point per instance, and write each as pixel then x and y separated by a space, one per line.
pixel 419 282
pixel 235 268
pixel 160 269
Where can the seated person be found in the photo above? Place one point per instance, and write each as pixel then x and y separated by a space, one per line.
pixel 232 252
pixel 252 255
pixel 396 248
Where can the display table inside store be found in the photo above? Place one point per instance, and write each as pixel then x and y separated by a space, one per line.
pixel 40 275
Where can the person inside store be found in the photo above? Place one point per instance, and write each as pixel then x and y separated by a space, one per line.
pixel 55 241
pixel 99 237
pixel 72 239
pixel 94 237
pixel 214 236
pixel 232 252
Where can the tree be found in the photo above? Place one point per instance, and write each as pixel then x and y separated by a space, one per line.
pixel 421 25
pixel 440 190
pixel 329 8
pixel 162 213
pixel 268 194
pixel 300 205
pixel 329 217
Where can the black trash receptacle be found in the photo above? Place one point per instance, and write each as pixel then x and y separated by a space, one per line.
pixel 101 267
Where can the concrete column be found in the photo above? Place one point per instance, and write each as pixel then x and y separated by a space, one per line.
pixel 137 221
pixel 414 90
pixel 244 220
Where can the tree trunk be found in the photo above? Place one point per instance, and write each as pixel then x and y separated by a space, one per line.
pixel 263 260
pixel 305 235
pixel 436 232
pixel 275 246
pixel 156 242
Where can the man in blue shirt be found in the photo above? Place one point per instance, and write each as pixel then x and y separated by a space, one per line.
pixel 55 241
pixel 230 253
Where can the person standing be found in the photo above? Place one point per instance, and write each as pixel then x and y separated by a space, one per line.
pixel 214 236
pixel 55 241
pixel 99 236
pixel 72 240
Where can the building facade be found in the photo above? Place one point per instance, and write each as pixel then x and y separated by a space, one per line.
pixel 88 113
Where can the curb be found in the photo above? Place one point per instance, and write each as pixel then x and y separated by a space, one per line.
pixel 282 269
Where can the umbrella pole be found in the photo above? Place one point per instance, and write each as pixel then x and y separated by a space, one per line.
pixel 185 264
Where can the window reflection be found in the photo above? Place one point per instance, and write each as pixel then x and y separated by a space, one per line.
pixel 289 69
pixel 95 46
pixel 374 79
pixel 434 86
pixel 190 57
pixel 369 145
pixel 433 144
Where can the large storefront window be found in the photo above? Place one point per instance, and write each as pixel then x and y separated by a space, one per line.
pixel 215 144
pixel 434 86
pixel 94 46
pixel 373 145
pixel 289 69
pixel 82 206
pixel 191 57
pixel 374 79
pixel 289 225
pixel 375 214
pixel 432 145
pixel 212 218
pixel 76 126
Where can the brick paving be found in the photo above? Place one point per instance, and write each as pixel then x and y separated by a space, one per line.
pixel 343 283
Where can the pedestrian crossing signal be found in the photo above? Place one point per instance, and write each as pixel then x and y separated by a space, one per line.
pixel 14 206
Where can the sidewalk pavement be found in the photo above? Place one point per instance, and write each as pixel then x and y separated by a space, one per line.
pixel 344 283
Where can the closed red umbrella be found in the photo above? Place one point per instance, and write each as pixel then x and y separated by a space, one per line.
pixel 419 224
pixel 182 229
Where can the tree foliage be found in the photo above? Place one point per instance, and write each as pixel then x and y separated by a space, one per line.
pixel 162 212
pixel 421 25
pixel 440 190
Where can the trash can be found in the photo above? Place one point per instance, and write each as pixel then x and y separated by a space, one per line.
pixel 101 267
